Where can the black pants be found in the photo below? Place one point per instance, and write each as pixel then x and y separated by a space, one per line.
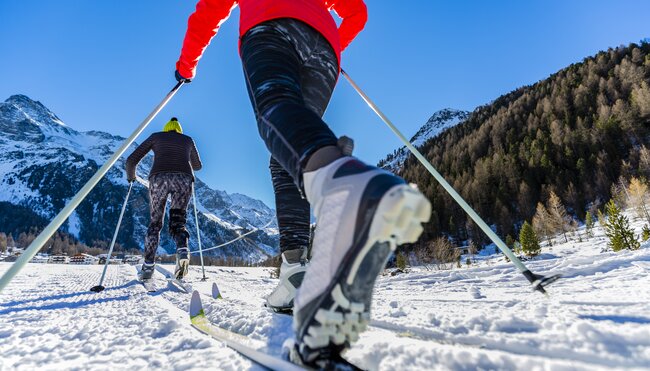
pixel 291 71
pixel 162 186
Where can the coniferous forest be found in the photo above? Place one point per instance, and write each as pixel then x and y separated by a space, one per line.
pixel 573 135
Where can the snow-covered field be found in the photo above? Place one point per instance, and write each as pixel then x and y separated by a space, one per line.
pixel 483 317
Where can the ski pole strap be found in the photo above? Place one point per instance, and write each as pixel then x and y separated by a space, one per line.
pixel 61 217
pixel 450 190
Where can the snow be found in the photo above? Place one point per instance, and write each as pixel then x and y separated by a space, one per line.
pixel 74 224
pixel 482 317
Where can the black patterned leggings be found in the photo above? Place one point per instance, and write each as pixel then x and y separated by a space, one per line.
pixel 291 71
pixel 161 186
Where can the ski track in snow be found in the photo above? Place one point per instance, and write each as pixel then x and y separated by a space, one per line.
pixel 483 317
pixel 49 319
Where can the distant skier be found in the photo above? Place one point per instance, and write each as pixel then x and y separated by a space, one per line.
pixel 175 158
pixel 290 51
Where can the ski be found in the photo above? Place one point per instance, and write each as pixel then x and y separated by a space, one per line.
pixel 196 308
pixel 216 294
pixel 236 341
pixel 180 284
pixel 149 284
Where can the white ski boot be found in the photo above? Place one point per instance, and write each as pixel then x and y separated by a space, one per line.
pixel 363 213
pixel 292 271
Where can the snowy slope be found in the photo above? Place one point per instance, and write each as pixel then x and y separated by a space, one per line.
pixel 484 317
pixel 439 122
pixel 43 163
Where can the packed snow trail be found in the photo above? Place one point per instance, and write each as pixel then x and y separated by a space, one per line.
pixel 49 318
pixel 598 317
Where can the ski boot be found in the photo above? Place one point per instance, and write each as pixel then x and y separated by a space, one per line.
pixel 292 271
pixel 182 263
pixel 146 272
pixel 363 213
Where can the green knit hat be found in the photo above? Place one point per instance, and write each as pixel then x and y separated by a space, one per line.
pixel 173 125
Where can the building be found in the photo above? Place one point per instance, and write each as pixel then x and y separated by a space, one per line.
pixel 83 259
pixel 59 259
pixel 114 259
pixel 40 258
pixel 132 259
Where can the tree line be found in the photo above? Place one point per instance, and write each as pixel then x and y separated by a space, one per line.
pixel 565 139
pixel 59 244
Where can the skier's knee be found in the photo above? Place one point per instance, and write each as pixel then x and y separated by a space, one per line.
pixel 154 228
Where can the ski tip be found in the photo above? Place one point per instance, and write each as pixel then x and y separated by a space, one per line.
pixel 196 307
pixel 215 291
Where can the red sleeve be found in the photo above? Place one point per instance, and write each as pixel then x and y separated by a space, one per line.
pixel 201 28
pixel 354 14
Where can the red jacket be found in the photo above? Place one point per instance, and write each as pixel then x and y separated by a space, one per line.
pixel 210 14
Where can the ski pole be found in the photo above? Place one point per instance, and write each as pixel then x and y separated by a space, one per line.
pixel 239 237
pixel 198 232
pixel 537 281
pixel 100 288
pixel 61 217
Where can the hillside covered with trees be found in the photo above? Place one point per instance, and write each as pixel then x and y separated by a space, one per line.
pixel 570 136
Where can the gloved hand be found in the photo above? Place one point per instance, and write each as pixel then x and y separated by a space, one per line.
pixel 130 179
pixel 180 78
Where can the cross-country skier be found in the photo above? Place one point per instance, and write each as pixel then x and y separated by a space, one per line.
pixel 292 212
pixel 290 51
pixel 175 158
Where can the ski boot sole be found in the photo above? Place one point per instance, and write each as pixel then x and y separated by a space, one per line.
pixel 182 267
pixel 344 312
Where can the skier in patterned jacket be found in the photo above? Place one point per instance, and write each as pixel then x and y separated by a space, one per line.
pixel 291 52
pixel 172 174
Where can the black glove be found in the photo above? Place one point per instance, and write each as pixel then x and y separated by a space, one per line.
pixel 130 180
pixel 180 78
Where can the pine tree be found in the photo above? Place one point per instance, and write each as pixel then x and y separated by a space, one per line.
pixel 645 234
pixel 529 241
pixel 472 249
pixel 617 229
pixel 22 240
pixel 638 193
pixel 542 222
pixel 618 191
pixel 601 219
pixel 10 241
pixel 3 242
pixel 400 261
pixel 589 222
pixel 560 220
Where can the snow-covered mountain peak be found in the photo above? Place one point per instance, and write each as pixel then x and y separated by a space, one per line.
pixel 26 120
pixel 35 110
pixel 437 123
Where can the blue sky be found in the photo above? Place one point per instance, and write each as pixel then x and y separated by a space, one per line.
pixel 103 65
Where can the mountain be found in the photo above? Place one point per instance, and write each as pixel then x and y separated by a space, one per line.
pixel 574 133
pixel 44 162
pixel 439 122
